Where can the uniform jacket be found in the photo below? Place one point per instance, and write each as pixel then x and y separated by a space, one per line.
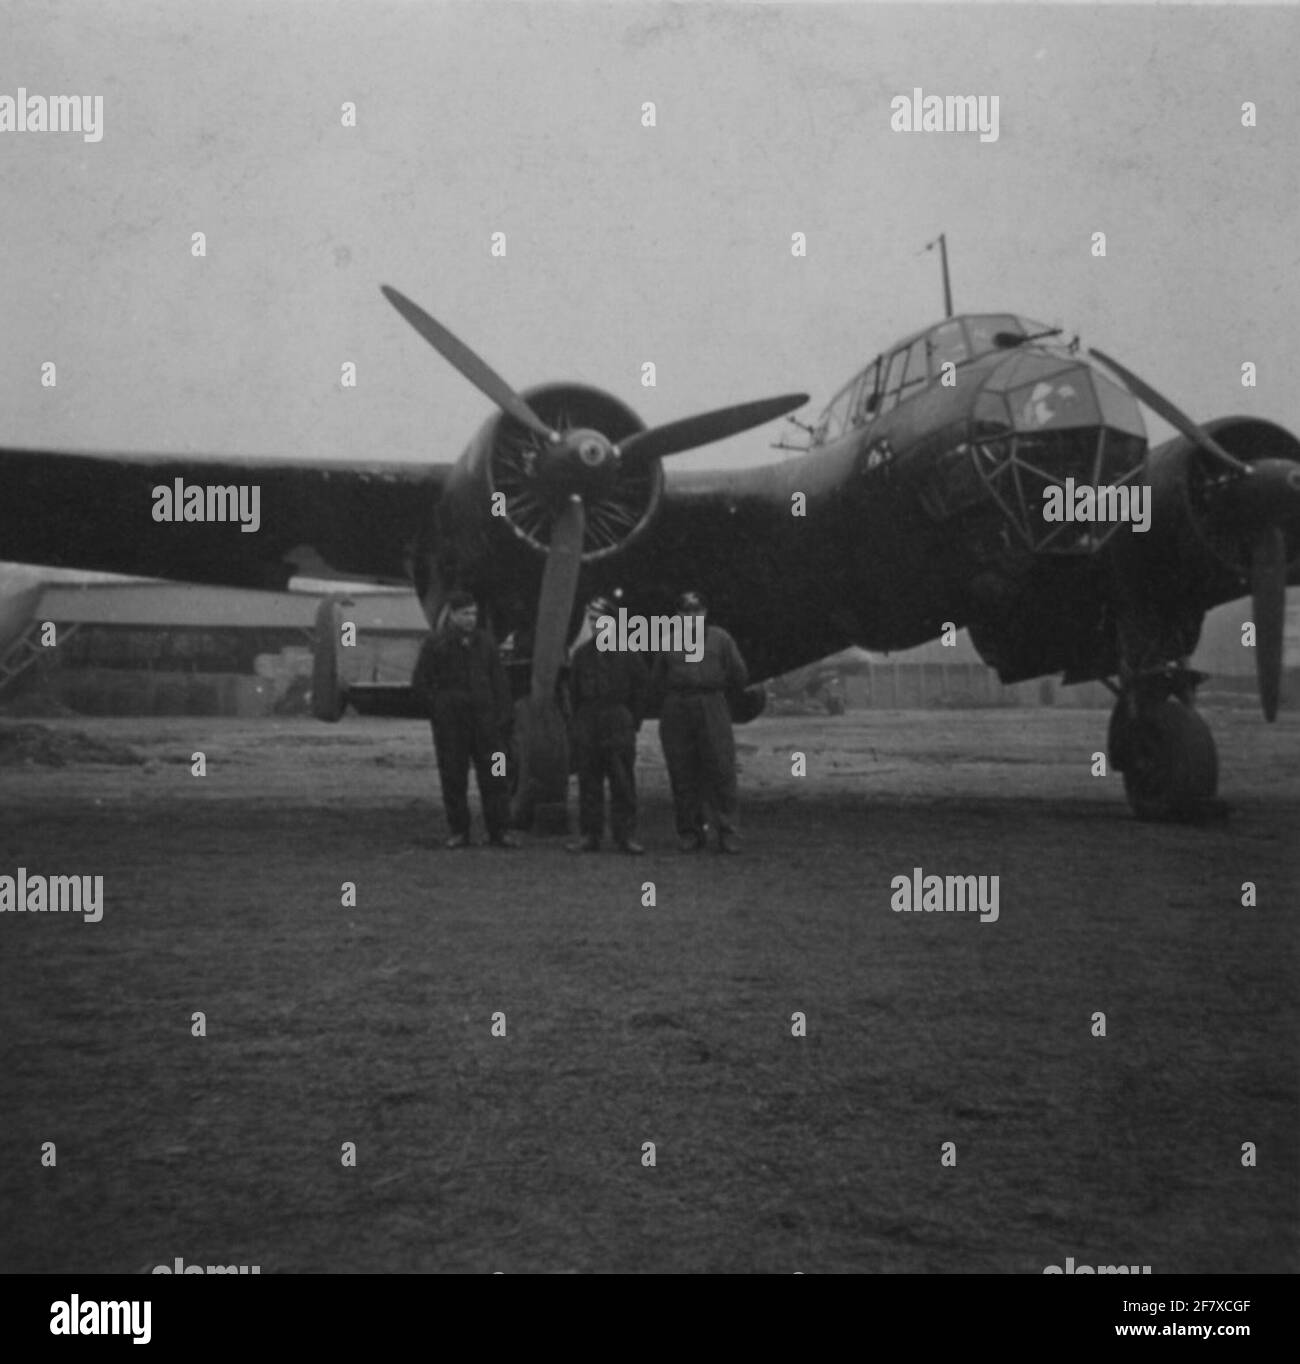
pixel 608 678
pixel 721 669
pixel 463 668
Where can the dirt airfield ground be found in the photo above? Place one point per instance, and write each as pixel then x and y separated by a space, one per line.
pixel 628 1024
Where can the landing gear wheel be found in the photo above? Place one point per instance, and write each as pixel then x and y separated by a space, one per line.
pixel 1171 769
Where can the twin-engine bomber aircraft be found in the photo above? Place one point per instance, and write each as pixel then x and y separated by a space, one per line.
pixel 925 493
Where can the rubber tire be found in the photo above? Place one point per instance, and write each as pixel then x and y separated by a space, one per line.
pixel 1171 768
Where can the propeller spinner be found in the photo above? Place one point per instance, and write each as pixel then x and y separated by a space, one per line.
pixel 571 465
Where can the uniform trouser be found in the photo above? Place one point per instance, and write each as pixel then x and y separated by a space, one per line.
pixel 700 750
pixel 462 736
pixel 605 749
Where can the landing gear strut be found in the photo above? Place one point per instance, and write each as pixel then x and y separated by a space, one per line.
pixel 1164 748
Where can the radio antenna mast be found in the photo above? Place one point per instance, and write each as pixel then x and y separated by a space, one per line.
pixel 941 241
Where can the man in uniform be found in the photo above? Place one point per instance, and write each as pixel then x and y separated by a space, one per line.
pixel 607 694
pixel 460 679
pixel 695 730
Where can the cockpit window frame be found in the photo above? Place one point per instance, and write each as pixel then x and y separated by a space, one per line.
pixel 974 353
pixel 866 403
pixel 834 424
pixel 893 380
pixel 936 361
pixel 893 377
pixel 915 377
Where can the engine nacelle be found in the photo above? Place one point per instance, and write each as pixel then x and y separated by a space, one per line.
pixel 1196 548
pixel 503 485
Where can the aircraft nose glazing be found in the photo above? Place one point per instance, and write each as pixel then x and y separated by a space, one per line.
pixel 1043 421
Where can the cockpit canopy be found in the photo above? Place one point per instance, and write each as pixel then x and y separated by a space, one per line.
pixel 898 374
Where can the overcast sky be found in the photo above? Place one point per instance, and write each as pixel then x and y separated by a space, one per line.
pixel 624 243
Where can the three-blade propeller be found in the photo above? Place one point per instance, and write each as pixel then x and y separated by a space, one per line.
pixel 635 451
pixel 1258 495
pixel 564 552
pixel 1176 418
pixel 1268 604
pixel 691 432
pixel 459 356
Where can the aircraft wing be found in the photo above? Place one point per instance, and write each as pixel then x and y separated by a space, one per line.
pixel 346 520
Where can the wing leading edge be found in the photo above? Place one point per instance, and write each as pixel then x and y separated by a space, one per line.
pixel 97 511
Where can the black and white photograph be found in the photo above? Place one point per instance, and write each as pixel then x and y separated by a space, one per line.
pixel 649 639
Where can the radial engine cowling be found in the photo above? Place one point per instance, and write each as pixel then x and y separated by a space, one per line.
pixel 511 478
pixel 1203 521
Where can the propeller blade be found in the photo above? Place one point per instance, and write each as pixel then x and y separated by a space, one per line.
pixel 1268 601
pixel 1176 418
pixel 539 723
pixel 555 605
pixel 459 356
pixel 1270 496
pixel 705 428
